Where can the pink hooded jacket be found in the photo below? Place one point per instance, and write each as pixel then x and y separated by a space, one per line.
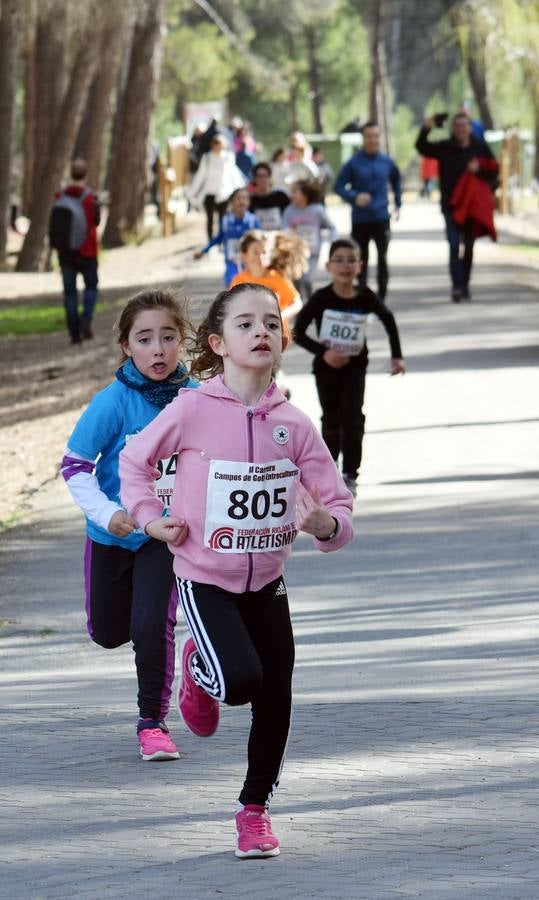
pixel 212 424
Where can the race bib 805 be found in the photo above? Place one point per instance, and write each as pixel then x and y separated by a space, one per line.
pixel 251 507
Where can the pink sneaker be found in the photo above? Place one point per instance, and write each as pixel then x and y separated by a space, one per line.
pixel 255 837
pixel 154 740
pixel 199 711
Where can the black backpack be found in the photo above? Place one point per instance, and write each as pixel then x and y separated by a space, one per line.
pixel 68 227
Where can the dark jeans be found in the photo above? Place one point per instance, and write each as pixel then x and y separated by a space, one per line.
pixel 131 596
pixel 341 393
pixel 210 205
pixel 365 232
pixel 245 654
pixel 461 242
pixel 72 266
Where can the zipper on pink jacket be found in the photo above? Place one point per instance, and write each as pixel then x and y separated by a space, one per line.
pixel 250 454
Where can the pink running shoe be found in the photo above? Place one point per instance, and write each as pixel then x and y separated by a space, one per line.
pixel 199 711
pixel 154 740
pixel 255 837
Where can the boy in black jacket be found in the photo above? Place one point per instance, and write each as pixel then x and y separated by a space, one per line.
pixel 340 312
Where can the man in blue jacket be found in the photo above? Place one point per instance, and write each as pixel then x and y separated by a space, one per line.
pixel 363 182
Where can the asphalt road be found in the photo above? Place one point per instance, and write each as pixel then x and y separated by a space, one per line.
pixel 412 763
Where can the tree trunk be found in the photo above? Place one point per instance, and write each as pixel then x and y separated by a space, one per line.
pixel 49 74
pixel 472 52
pixel 129 165
pixel 89 144
pixel 314 80
pixel 531 76
pixel 7 105
pixel 377 91
pixel 29 115
pixel 476 67
pixel 374 53
pixel 121 83
pixel 293 121
pixel 60 150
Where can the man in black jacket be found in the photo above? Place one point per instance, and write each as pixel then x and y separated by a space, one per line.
pixel 457 154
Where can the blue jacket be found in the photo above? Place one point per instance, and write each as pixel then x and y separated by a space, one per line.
pixel 230 234
pixel 367 173
pixel 113 416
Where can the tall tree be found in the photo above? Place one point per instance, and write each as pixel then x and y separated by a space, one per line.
pixel 50 51
pixel 97 113
pixel 293 118
pixel 61 145
pixel 7 104
pixel 129 165
pixel 315 91
pixel 518 38
pixel 471 23
pixel 378 111
pixel 29 149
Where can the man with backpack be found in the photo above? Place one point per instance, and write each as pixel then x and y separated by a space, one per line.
pixel 72 232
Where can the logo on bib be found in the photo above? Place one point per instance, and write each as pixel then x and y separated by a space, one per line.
pixel 221 538
pixel 281 434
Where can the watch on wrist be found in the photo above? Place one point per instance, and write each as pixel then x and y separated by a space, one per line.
pixel 333 533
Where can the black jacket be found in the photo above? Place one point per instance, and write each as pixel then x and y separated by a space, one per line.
pixel 363 302
pixel 453 160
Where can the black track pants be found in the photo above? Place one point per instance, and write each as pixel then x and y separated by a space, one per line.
pixel 341 393
pixel 363 233
pixel 131 596
pixel 246 655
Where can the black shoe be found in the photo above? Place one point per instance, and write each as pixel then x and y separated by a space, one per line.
pixel 456 295
pixel 466 293
pixel 86 329
pixel 75 339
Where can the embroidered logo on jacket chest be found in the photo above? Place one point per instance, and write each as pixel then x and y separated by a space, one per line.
pixel 281 434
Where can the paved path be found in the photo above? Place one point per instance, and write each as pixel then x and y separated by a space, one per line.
pixel 412 765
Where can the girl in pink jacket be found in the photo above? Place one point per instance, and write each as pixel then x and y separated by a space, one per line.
pixel 252 471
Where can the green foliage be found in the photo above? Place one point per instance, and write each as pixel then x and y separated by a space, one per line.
pixel 510 31
pixel 403 133
pixel 24 320
pixel 343 55
pixel 344 76
pixel 166 121
pixel 261 66
pixel 197 65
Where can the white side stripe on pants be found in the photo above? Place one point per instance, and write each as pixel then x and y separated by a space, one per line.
pixel 212 679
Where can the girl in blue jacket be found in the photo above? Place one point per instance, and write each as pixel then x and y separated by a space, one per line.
pixel 130 592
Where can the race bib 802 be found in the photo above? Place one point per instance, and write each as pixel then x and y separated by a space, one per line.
pixel 251 507
pixel 343 332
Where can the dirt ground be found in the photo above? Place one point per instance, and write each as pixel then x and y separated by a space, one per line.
pixel 45 382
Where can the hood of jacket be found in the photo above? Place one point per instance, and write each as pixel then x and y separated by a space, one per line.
pixel 270 399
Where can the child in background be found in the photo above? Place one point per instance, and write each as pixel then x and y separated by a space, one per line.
pixel 252 472
pixel 326 175
pixel 234 224
pixel 267 202
pixel 307 217
pixel 130 590
pixel 280 169
pixel 340 312
pixel 287 260
pixel 214 181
